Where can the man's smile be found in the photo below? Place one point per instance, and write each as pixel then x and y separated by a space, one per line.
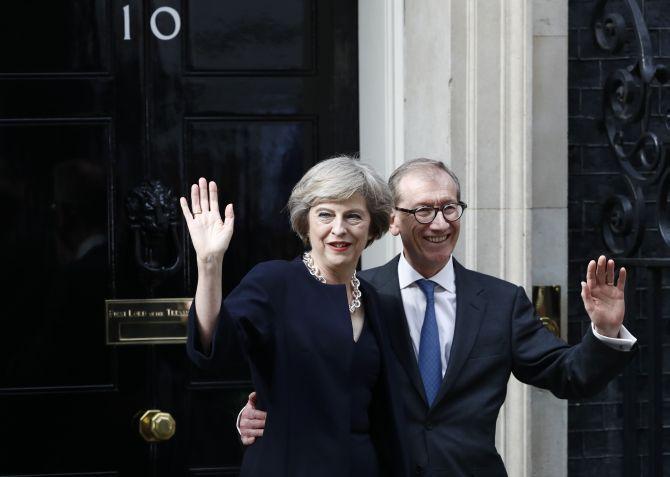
pixel 437 239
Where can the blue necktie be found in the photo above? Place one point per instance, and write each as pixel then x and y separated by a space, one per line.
pixel 430 362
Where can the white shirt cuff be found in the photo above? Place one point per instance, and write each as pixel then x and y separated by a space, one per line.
pixel 624 342
pixel 237 421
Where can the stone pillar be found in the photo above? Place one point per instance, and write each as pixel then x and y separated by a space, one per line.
pixel 549 215
pixel 492 153
pixel 509 146
pixel 381 93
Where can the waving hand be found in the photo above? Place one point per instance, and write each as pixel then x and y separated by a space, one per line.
pixel 210 235
pixel 603 299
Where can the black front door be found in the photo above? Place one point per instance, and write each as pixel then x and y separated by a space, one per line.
pixel 97 97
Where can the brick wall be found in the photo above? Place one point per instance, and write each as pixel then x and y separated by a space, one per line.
pixel 595 426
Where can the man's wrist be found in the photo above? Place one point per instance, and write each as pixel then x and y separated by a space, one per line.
pixel 624 342
pixel 609 332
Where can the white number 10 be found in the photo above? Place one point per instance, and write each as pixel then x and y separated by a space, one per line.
pixel 154 28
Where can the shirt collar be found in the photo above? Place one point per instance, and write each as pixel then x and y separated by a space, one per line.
pixel 445 277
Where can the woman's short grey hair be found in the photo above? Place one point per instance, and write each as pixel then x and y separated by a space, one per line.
pixel 420 164
pixel 337 179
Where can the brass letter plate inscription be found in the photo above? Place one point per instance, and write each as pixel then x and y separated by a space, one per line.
pixel 150 321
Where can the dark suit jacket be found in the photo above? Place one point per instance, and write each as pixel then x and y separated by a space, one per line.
pixel 496 333
pixel 298 337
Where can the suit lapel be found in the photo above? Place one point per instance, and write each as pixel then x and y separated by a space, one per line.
pixel 393 311
pixel 470 311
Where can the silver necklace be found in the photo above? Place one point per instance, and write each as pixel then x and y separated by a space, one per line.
pixel 316 273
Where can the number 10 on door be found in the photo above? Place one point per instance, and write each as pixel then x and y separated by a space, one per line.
pixel 152 22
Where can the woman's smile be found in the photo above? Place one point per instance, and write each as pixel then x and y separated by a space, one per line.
pixel 339 246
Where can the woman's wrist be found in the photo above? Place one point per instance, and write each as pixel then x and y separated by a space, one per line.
pixel 210 264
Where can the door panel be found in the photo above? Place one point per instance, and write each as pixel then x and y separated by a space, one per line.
pixel 38 98
pixel 250 94
pixel 64 401
pixel 51 38
pixel 257 36
pixel 55 175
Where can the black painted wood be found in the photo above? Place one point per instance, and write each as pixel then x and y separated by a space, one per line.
pixel 250 94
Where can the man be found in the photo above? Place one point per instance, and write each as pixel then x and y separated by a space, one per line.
pixel 458 334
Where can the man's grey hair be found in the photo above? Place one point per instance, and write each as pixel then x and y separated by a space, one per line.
pixel 337 179
pixel 420 164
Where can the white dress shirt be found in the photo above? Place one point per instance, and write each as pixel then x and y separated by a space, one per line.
pixel 414 303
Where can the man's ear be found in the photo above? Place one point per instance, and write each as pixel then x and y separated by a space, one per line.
pixel 394 226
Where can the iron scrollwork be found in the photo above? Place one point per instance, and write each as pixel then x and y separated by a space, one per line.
pixel 622 227
pixel 152 214
pixel 626 113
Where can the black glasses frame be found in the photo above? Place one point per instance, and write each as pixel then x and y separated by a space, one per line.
pixel 435 211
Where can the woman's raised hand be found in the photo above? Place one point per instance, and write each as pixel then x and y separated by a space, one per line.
pixel 210 235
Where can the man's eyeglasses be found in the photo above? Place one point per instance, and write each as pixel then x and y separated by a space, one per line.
pixel 426 214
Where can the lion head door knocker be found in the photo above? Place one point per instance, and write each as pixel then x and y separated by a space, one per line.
pixel 152 214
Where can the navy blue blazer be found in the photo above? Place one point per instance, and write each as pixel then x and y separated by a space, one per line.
pixel 497 333
pixel 297 335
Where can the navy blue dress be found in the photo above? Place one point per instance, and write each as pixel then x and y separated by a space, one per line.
pixel 297 336
pixel 364 376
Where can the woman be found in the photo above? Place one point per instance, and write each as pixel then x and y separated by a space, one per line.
pixel 316 348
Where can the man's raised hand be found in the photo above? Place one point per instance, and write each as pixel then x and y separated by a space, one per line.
pixel 603 299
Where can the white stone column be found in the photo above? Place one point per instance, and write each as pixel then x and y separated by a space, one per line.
pixel 509 146
pixel 427 79
pixel 549 255
pixel 381 93
pixel 492 64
